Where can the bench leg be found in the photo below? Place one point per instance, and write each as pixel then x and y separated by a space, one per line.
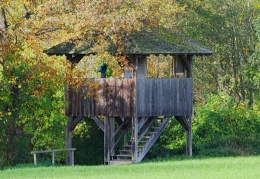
pixel 53 160
pixel 72 158
pixel 35 158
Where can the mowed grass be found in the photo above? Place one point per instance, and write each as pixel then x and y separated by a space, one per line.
pixel 229 167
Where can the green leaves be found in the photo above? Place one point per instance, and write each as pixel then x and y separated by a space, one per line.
pixel 224 125
pixel 227 28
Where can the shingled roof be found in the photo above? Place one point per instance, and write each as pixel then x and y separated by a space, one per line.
pixel 145 42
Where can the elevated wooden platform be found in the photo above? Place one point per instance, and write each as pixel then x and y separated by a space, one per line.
pixel 128 97
pixel 142 107
pixel 134 104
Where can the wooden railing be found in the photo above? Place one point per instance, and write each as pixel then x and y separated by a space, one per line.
pixel 164 97
pixel 71 150
pixel 128 97
pixel 116 97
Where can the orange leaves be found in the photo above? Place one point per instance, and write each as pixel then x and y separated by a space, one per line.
pixel 53 21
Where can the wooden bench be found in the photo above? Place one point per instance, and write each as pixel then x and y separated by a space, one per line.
pixel 71 150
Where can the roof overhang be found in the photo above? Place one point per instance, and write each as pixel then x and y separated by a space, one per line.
pixel 144 42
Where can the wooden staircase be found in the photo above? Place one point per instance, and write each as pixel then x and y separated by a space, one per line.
pixel 150 129
pixel 151 137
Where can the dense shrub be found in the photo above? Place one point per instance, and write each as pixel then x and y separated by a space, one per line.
pixel 171 142
pixel 224 127
pixel 221 127
pixel 88 139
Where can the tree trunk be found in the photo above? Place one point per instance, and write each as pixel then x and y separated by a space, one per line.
pixel 2 30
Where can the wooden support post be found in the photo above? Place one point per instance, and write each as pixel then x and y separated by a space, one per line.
pixel 140 63
pixel 189 138
pixel 189 71
pixel 106 141
pixel 112 139
pixel 189 118
pixel 134 138
pixel 69 142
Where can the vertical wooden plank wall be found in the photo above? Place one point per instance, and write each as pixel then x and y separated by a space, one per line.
pixel 164 97
pixel 154 97
pixel 115 98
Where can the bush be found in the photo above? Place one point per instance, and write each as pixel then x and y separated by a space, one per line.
pixel 88 139
pixel 222 128
pixel 171 142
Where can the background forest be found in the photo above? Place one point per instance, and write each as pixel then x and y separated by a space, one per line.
pixel 227 94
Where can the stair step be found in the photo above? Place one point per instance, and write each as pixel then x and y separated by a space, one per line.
pixel 125 152
pixel 152 133
pixel 120 162
pixel 127 147
pixel 123 157
pixel 155 128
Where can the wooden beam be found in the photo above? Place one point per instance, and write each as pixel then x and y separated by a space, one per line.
pixel 142 122
pixel 134 138
pixel 106 141
pixel 141 64
pixel 186 123
pixel 185 62
pixel 121 135
pixel 153 139
pixel 189 72
pixel 147 126
pixel 74 59
pixel 69 142
pixel 125 123
pixel 189 118
pixel 112 132
pixel 189 138
pixel 74 122
pixel 98 122
pixel 183 122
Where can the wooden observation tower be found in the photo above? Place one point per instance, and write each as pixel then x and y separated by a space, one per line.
pixel 135 106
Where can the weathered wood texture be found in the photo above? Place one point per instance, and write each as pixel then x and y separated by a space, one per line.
pixel 164 97
pixel 115 98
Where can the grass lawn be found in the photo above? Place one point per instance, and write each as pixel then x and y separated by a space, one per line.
pixel 229 167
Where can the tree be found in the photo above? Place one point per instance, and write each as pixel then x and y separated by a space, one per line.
pixel 31 98
pixel 227 28
pixel 32 84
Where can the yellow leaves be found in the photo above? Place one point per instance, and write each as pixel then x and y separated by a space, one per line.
pixel 255 108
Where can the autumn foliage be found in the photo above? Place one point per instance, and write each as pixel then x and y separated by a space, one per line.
pixel 32 83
